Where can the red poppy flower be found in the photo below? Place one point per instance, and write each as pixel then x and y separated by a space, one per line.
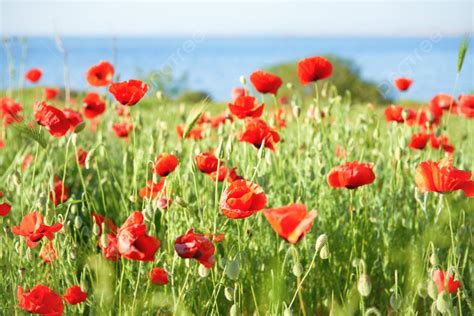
pixel 110 250
pixel 232 175
pixel 40 300
pixel 257 132
pixel 10 111
pixel 158 276
pixel 351 175
pixel 81 156
pixel 441 142
pixel 128 92
pixel 165 164
pixel 133 242
pixel 33 75
pixel 278 118
pixel 265 82
pixel 291 222
pixel 74 295
pixel 60 193
pixel 99 220
pixel 122 129
pixel 399 114
pixel 122 111
pixel 50 93
pixel 53 119
pixel 74 118
pixel 5 209
pixel 419 140
pixel 241 199
pixel 220 119
pixel 93 105
pixel 429 116
pixel 101 74
pixel 451 285
pixel 442 177
pixel 238 92
pixel 195 133
pixel 443 101
pixel 207 162
pixel 403 84
pixel 313 69
pixel 195 246
pixel 246 106
pixel 48 253
pixel 219 174
pixel 152 189
pixel 33 228
pixel 466 105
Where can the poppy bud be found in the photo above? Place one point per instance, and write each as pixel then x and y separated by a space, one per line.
pixel 96 230
pixel 324 253
pixel 289 85
pixel 232 269
pixel 203 271
pixel 78 222
pixel 297 269
pixel 395 301
pixel 364 286
pixel 432 290
pixel 16 178
pixel 234 310
pixel 104 241
pixel 434 260
pixel 287 312
pixel 296 111
pixel 422 291
pixel 229 294
pixel 321 241
pixel 443 304
pixel 243 80
pixel 159 95
pixel 405 114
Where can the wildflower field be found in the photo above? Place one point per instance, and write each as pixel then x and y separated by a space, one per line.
pixel 115 201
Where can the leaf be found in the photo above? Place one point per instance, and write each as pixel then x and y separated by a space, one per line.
pixel 192 122
pixel 32 132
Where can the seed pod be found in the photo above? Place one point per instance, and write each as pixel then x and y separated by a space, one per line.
pixel 321 241
pixel 324 253
pixel 229 293
pixel 203 271
pixel 364 286
pixel 443 304
pixel 232 269
pixel 297 270
pixel 78 222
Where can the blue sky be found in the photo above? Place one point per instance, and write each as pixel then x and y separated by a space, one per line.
pixel 236 18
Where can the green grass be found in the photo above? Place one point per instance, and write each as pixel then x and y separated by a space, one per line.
pixel 392 229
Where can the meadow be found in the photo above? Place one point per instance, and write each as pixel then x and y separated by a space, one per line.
pixel 379 238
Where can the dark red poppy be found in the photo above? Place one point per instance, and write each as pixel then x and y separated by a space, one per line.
pixel 238 92
pixel 60 192
pixel 81 156
pixel 443 101
pixel 53 119
pixel 351 175
pixel 75 295
pixel 241 199
pixel 313 69
pixel 246 106
pixel 74 118
pixel 128 92
pixel 33 75
pixel 101 74
pixel 33 228
pixel 419 140
pixel 40 300
pixel 48 253
pixel 220 174
pixel 122 129
pixel 291 222
pixel 165 164
pixel 158 276
pixel 5 208
pixel 50 93
pixel 265 82
pixel 257 132
pixel 399 114
pixel 93 105
pixel 195 133
pixel 442 177
pixel 441 142
pixel 466 105
pixel 195 246
pixel 10 111
pixel 207 162
pixel 152 189
pixel 450 285
pixel 133 242
pixel 403 84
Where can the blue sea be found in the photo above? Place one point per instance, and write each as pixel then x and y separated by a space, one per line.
pixel 216 64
